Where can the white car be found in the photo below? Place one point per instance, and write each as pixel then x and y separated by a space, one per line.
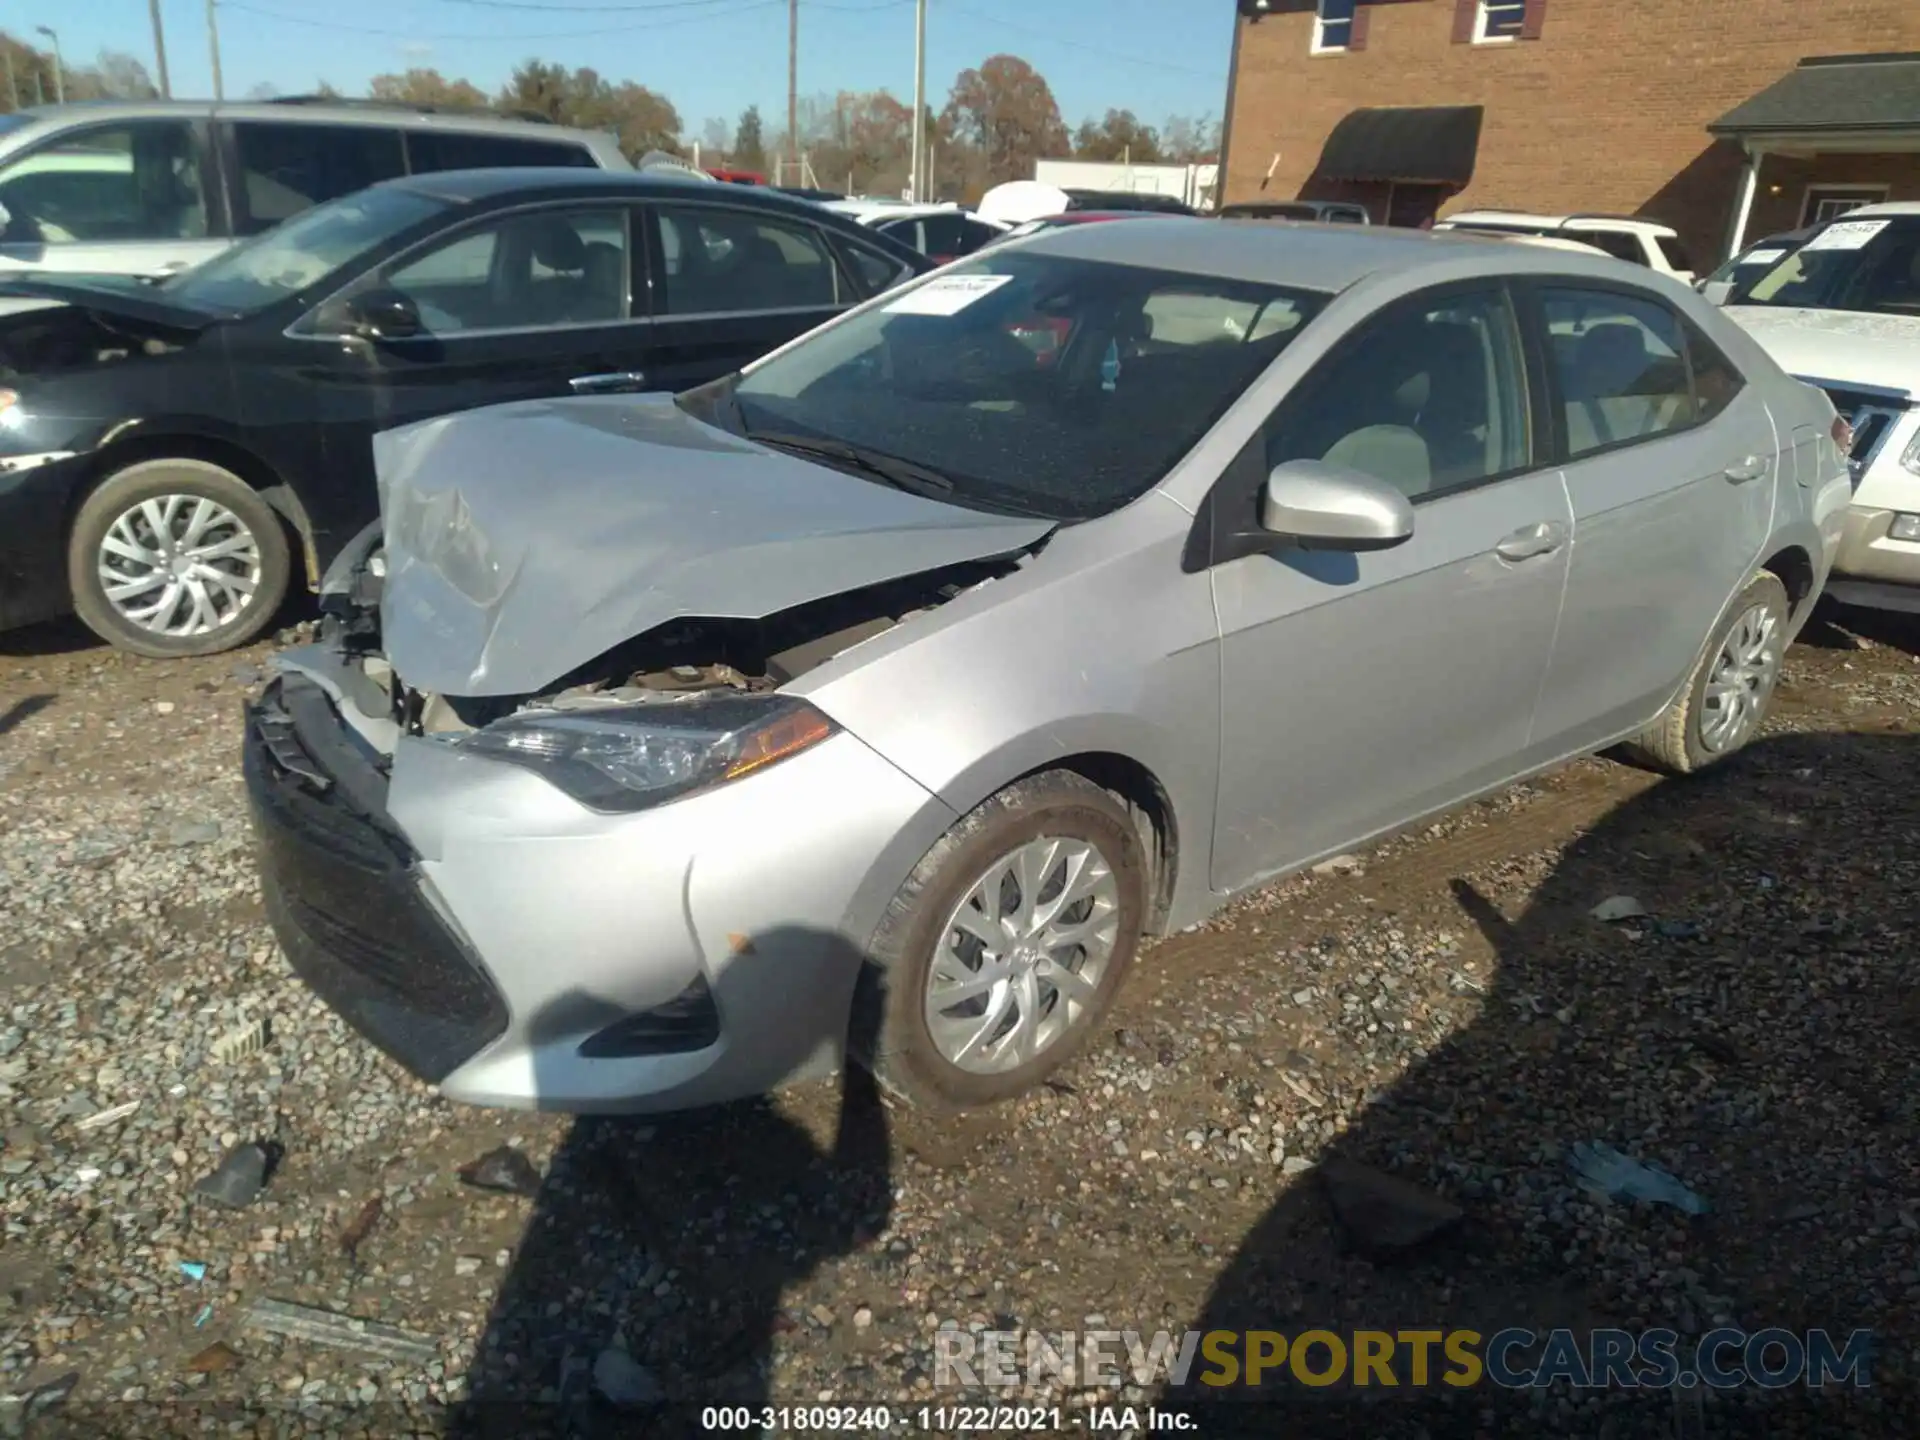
pixel 1843 311
pixel 1638 242
pixel 940 232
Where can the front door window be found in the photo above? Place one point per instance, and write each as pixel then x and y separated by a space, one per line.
pixel 137 182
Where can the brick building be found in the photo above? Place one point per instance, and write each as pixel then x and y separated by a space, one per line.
pixel 1699 113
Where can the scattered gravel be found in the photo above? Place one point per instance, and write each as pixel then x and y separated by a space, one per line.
pixel 1438 1018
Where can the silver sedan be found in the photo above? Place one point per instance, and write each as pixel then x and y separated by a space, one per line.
pixel 881 697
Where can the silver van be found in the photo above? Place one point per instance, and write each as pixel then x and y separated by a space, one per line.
pixel 152 187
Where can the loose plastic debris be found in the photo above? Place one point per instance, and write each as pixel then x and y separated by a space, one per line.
pixel 107 1117
pixel 1607 1173
pixel 236 1045
pixel 504 1169
pixel 87 1174
pixel 194 1269
pixel 240 1178
pixel 1617 907
pixel 206 1314
pixel 340 1332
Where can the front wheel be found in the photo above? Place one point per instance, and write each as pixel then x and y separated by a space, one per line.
pixel 171 558
pixel 1005 947
pixel 1731 689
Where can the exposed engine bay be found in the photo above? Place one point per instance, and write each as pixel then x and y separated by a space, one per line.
pixel 68 337
pixel 669 663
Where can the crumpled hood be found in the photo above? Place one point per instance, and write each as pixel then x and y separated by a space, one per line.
pixel 524 540
pixel 1843 346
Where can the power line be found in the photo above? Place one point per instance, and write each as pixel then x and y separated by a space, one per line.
pixel 1216 74
pixel 516 39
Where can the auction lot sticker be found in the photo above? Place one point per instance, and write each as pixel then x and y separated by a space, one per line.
pixel 948 295
pixel 1846 235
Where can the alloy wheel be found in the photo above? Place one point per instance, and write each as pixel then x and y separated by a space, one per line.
pixel 179 565
pixel 1021 957
pixel 1741 680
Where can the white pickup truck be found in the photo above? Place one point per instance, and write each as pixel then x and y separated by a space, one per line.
pixel 1843 312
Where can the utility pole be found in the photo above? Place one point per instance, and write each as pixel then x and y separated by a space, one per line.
pixel 213 46
pixel 160 49
pixel 793 80
pixel 13 84
pixel 922 189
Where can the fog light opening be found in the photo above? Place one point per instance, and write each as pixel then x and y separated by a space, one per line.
pixel 1904 527
pixel 690 1021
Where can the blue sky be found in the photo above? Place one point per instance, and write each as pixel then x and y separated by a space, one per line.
pixel 710 57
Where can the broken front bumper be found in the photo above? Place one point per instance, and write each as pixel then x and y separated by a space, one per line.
pixel 517 949
pixel 344 894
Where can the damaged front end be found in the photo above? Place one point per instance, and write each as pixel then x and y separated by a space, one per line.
pixel 733 668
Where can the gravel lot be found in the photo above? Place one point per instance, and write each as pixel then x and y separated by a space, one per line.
pixel 1444 1009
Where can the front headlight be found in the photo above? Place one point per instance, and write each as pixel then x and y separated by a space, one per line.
pixel 632 757
pixel 1911 457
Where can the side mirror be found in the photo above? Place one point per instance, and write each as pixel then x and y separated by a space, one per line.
pixel 1334 508
pixel 379 315
pixel 1716 292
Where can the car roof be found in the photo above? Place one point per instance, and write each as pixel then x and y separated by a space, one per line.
pixel 1575 221
pixel 1305 256
pixel 1886 209
pixel 312 113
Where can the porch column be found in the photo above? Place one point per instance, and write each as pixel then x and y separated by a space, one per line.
pixel 1743 205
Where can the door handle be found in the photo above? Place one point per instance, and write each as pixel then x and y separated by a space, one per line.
pixel 1532 541
pixel 605 384
pixel 1752 467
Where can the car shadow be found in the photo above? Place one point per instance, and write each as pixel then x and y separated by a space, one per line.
pixel 1837 626
pixel 1753 1033
pixel 648 1281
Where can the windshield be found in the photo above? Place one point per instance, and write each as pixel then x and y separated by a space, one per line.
pixel 1865 265
pixel 1033 383
pixel 301 252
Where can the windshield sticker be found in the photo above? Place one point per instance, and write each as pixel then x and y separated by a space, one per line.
pixel 1763 257
pixel 1846 235
pixel 947 295
pixel 1110 367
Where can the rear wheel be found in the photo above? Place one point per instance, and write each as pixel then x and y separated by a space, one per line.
pixel 173 558
pixel 1005 947
pixel 1731 689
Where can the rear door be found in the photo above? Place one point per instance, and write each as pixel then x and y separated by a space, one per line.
pixel 729 284
pixel 1671 460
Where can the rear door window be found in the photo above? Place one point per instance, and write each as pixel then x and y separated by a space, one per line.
pixel 717 261
pixel 285 168
pixel 429 150
pixel 1621 366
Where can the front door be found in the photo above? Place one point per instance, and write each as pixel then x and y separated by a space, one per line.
pixel 729 284
pixel 129 197
pixel 520 306
pixel 1671 466
pixel 1362 691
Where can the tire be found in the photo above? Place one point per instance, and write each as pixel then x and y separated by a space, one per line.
pixel 1684 739
pixel 893 1034
pixel 126 508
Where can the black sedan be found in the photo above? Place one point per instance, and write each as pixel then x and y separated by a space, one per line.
pixel 169 452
